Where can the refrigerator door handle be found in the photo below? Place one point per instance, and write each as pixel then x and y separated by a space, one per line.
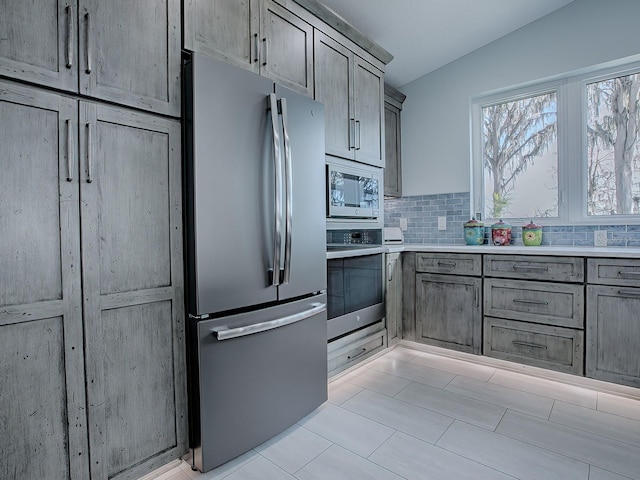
pixel 225 333
pixel 277 161
pixel 288 193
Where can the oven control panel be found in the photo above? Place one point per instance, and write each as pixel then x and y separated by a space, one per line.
pixel 354 237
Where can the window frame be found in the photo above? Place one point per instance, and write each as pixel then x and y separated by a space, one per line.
pixel 571 91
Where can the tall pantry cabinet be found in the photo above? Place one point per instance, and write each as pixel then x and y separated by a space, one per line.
pixel 91 303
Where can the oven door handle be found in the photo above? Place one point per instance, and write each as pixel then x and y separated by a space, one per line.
pixel 225 333
pixel 359 252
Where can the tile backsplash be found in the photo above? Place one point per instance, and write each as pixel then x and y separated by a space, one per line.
pixel 422 212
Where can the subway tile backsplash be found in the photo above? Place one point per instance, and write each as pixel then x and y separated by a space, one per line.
pixel 422 212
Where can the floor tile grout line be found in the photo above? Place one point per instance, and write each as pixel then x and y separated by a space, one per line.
pixel 517 440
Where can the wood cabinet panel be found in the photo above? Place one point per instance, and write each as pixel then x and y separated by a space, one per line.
pixel 132 284
pixel 448 311
pixel 131 53
pixel 545 346
pixel 613 334
pixel 369 113
pixel 450 263
pixel 530 267
pixel 40 299
pixel 393 297
pixel 39 42
pixel 334 89
pixel 540 302
pixel 224 29
pixel 611 271
pixel 287 48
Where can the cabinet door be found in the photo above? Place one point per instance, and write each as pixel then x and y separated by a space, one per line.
pixel 132 283
pixel 448 312
pixel 42 400
pixel 613 334
pixel 393 297
pixel 334 89
pixel 130 53
pixel 39 42
pixel 369 107
pixel 224 29
pixel 287 48
pixel 392 160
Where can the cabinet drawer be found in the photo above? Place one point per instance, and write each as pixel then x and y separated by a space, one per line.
pixel 555 348
pixel 610 271
pixel 555 269
pixel 352 353
pixel 547 303
pixel 456 264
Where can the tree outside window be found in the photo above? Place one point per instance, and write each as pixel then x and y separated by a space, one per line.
pixel 519 156
pixel 613 148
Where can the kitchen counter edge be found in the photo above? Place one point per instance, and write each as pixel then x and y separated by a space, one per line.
pixel 554 250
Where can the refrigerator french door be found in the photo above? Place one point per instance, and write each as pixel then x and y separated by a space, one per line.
pixel 256 258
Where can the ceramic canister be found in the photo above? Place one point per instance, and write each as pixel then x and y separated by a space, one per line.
pixel 474 232
pixel 532 234
pixel 501 233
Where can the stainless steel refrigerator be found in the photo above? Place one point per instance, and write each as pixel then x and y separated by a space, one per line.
pixel 256 258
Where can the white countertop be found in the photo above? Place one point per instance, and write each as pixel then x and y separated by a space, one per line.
pixel 556 250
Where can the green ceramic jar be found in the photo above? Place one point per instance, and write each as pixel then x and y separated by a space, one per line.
pixel 532 234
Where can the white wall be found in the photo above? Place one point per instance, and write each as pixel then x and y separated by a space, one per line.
pixel 435 115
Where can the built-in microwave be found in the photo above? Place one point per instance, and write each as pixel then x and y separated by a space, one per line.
pixel 353 192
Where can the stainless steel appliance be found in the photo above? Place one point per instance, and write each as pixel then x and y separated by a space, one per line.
pixel 355 297
pixel 255 250
pixel 353 191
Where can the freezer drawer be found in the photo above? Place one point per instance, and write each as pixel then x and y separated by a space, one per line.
pixel 251 385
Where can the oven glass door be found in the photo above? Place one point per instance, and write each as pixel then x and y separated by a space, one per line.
pixel 354 283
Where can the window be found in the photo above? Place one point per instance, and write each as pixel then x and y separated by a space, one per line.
pixel 613 151
pixel 520 158
pixel 567 151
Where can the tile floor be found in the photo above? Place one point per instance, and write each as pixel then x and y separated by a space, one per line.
pixel 415 415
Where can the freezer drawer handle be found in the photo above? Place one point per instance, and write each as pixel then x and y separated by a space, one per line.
pixel 224 333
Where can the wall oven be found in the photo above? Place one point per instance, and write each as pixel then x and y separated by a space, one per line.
pixel 355 276
pixel 353 191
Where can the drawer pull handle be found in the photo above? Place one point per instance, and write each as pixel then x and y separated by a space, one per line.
pixel 446 264
pixel 532 302
pixel 527 344
pixel 629 293
pixel 530 267
pixel 362 352
pixel 626 273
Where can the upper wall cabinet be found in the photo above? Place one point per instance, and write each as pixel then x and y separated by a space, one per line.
pixel 259 35
pixel 352 91
pixel 120 51
pixel 393 160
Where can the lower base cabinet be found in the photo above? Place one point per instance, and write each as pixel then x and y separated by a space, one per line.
pixel 545 346
pixel 613 333
pixel 448 311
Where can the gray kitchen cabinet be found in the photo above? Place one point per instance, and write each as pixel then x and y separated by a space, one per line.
pixel 613 326
pixel 42 399
pixel 534 310
pixel 392 142
pixel 130 207
pixel 259 35
pixel 129 53
pixel 91 309
pixel 393 297
pixel 448 305
pixel 39 42
pixel 352 91
pixel 124 52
